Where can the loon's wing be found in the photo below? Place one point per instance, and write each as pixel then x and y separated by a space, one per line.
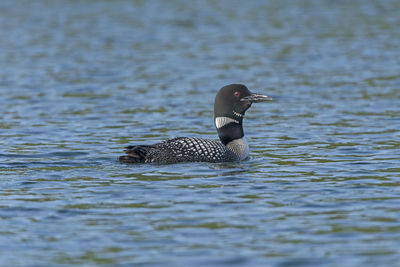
pixel 179 149
pixel 189 149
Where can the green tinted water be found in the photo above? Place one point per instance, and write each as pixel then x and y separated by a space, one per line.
pixel 81 80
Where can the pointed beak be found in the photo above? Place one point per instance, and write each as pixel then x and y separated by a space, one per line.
pixel 253 98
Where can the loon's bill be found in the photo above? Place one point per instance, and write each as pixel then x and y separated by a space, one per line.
pixel 230 105
pixel 254 98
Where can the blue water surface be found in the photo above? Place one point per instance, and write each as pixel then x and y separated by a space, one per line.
pixel 80 80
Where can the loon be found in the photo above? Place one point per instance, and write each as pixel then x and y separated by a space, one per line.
pixel 230 105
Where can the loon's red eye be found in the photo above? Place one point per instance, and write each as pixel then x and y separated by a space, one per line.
pixel 236 94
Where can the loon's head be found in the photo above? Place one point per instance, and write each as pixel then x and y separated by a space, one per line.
pixel 230 105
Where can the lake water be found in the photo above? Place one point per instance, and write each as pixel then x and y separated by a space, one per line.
pixel 80 80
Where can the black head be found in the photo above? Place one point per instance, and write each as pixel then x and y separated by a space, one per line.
pixel 233 100
pixel 231 103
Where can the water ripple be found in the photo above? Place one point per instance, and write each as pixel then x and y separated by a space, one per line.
pixel 321 185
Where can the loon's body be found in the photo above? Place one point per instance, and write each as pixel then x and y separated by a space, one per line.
pixel 231 103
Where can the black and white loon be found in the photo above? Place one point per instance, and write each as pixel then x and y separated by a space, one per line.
pixel 230 105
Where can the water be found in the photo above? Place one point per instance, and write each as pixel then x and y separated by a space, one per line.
pixel 80 80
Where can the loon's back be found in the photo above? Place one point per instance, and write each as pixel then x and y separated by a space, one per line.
pixel 180 149
pixel 230 105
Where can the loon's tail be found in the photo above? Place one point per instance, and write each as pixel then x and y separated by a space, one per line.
pixel 135 154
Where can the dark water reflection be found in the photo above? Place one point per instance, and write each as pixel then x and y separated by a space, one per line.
pixel 81 80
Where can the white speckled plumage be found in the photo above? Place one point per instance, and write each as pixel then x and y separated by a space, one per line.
pixel 182 149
